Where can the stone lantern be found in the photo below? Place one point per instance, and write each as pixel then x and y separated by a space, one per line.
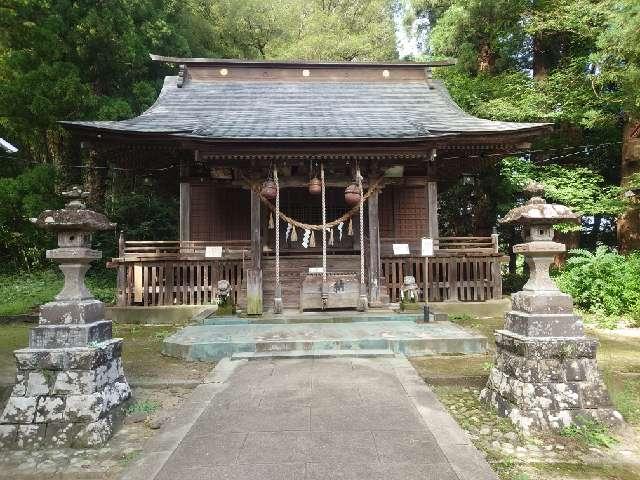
pixel 70 380
pixel 545 375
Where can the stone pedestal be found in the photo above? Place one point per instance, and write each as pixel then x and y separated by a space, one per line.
pixel 65 397
pixel 545 374
pixel 70 380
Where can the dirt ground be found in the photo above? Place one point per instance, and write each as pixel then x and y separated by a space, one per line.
pixel 161 383
pixel 458 379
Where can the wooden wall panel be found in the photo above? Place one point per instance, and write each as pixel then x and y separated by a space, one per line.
pixel 403 212
pixel 219 214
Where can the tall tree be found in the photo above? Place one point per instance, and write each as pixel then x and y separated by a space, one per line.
pixel 618 61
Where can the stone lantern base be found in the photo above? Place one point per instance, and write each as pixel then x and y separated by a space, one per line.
pixel 546 383
pixel 65 397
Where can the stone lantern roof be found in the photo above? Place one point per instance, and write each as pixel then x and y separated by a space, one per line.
pixel 74 217
pixel 536 211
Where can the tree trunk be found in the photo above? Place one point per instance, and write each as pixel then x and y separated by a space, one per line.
pixel 486 58
pixel 629 222
pixel 95 179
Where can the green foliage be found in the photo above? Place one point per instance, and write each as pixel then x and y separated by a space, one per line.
pixel 627 401
pixel 581 188
pixel 603 281
pixel 23 292
pixel 590 432
pixel 145 406
pixel 24 196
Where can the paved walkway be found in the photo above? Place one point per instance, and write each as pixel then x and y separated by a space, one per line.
pixel 320 419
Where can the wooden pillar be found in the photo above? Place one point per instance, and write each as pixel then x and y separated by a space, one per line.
pixel 185 211
pixel 374 251
pixel 432 209
pixel 254 275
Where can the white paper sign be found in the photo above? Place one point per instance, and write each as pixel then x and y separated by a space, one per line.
pixel 213 252
pixel 315 269
pixel 401 249
pixel 427 247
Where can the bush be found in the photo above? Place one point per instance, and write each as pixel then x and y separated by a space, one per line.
pixel 603 281
pixel 25 195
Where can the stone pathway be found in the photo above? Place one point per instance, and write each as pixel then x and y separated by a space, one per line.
pixel 322 418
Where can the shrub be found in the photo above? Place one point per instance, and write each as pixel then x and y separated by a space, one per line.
pixel 25 195
pixel 603 281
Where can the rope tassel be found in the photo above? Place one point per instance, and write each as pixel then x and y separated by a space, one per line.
pixel 312 240
pixel 271 226
pixel 294 234
pixel 331 237
pixel 350 230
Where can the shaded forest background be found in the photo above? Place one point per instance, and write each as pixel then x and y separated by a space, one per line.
pixel 575 63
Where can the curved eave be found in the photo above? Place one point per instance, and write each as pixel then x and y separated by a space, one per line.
pixel 98 131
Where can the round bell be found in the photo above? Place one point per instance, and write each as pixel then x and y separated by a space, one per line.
pixel 352 195
pixel 315 186
pixel 269 189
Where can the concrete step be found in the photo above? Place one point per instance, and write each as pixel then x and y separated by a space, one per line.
pixel 313 354
pixel 214 342
pixel 315 317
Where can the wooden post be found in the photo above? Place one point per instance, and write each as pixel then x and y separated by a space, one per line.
pixel 254 275
pixel 185 211
pixel 374 251
pixel 432 209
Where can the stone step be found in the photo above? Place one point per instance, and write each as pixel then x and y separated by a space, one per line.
pixel 214 342
pixel 313 354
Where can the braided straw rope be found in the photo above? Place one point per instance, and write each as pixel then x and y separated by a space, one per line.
pixel 324 222
pixel 275 179
pixel 361 206
pixel 376 186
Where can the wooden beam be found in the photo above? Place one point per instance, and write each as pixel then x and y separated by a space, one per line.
pixel 433 230
pixel 185 211
pixel 254 275
pixel 374 250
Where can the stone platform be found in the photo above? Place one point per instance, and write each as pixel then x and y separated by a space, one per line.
pixel 214 342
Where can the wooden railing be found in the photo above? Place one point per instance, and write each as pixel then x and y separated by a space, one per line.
pixel 465 277
pixel 154 273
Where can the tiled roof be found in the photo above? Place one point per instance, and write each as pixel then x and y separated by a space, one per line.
pixel 291 110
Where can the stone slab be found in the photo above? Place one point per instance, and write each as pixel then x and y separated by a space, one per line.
pixel 360 434
pixel 546 347
pixel 73 335
pixel 213 342
pixel 71 312
pixel 542 302
pixel 544 325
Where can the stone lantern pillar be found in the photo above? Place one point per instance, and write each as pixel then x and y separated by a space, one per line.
pixel 70 380
pixel 545 375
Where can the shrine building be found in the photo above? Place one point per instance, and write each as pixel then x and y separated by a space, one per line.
pixel 266 154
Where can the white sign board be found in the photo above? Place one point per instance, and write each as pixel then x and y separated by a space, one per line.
pixel 427 247
pixel 213 252
pixel 401 249
pixel 315 269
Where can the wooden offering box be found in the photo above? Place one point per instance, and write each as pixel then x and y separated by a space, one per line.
pixel 343 290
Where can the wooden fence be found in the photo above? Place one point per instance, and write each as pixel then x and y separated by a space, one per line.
pixel 179 273
pixel 177 282
pixel 452 277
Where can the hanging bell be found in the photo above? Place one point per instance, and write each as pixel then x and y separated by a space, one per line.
pixel 268 189
pixel 352 195
pixel 315 186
